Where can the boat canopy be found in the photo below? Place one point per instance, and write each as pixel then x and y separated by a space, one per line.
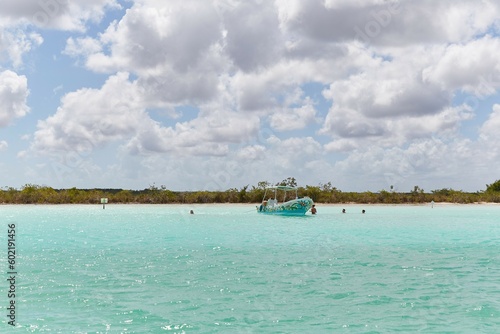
pixel 275 189
pixel 286 188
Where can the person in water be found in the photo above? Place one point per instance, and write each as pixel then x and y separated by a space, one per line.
pixel 313 209
pixel 343 210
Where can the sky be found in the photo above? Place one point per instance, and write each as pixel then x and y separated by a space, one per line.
pixel 369 95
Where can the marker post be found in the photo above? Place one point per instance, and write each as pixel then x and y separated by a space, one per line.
pixel 104 201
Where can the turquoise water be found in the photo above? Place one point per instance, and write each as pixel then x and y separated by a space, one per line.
pixel 226 269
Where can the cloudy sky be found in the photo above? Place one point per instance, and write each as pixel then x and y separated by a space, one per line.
pixel 215 94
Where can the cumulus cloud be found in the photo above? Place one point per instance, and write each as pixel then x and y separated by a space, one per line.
pixel 388 23
pixel 83 46
pixel 89 118
pixel 253 38
pixel 254 152
pixel 15 43
pixel 245 164
pixel 54 14
pixel 302 148
pixel 472 67
pixel 404 168
pixel 391 71
pixel 173 47
pixel 389 100
pixel 293 118
pixel 13 95
pixel 3 145
pixel 490 129
pixel 390 88
pixel 207 134
pixel 154 33
pixel 21 21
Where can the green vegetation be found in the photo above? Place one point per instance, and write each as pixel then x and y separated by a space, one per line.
pixel 323 193
pixel 494 187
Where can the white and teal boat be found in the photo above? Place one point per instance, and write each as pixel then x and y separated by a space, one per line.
pixel 294 207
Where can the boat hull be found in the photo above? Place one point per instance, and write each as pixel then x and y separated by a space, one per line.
pixel 296 207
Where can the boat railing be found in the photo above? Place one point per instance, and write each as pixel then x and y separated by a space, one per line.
pixel 272 202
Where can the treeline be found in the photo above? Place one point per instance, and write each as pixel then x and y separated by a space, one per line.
pixel 323 193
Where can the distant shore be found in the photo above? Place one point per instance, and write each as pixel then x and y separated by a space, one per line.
pixel 438 204
pixel 325 195
pixel 407 204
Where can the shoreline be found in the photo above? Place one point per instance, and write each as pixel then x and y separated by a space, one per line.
pixel 409 204
pixel 256 204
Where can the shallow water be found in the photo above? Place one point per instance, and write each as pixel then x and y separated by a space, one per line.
pixel 227 269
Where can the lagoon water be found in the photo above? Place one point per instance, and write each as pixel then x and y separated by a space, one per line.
pixel 226 269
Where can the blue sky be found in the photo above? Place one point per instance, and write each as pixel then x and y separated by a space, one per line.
pixel 219 94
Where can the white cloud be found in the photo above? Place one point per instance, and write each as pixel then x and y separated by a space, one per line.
pixel 88 118
pixel 254 152
pixel 289 154
pixel 293 118
pixel 388 23
pixel 173 47
pixel 341 145
pixel 19 17
pixel 54 14
pixel 208 134
pixel 429 163
pixel 390 88
pixel 490 130
pixel 15 43
pixel 82 46
pixel 392 70
pixel 13 95
pixel 473 67
pixel 3 145
pixel 253 39
pixel 154 35
pixel 391 102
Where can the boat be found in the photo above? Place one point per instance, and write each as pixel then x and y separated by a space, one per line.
pixel 294 207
